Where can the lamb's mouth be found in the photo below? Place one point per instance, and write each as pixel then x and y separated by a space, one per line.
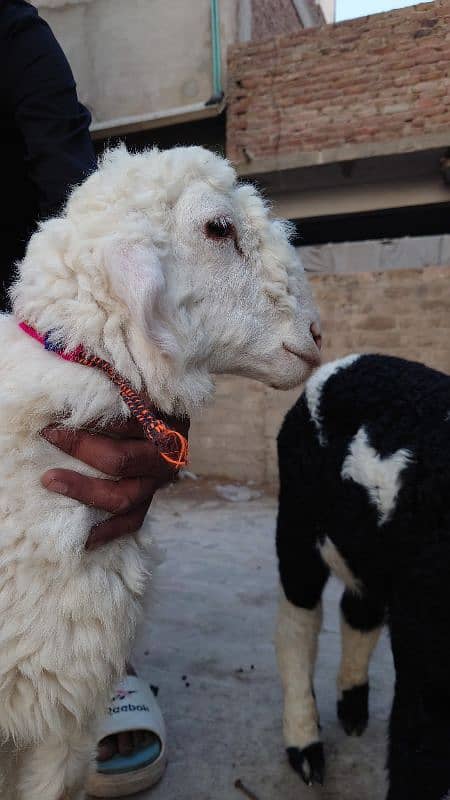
pixel 309 357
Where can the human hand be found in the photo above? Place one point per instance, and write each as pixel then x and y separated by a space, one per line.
pixel 123 452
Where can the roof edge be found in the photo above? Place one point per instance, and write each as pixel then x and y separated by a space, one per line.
pixel 345 152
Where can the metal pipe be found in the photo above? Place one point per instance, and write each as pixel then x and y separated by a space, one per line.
pixel 216 54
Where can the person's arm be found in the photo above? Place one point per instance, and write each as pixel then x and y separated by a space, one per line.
pixel 42 95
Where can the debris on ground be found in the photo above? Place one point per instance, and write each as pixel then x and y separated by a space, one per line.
pixel 236 493
pixel 242 788
pixel 246 670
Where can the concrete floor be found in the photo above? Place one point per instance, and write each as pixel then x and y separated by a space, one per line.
pixel 212 621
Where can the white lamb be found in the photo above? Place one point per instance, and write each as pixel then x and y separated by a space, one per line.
pixel 165 267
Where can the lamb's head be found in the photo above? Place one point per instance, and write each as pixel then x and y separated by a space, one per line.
pixel 248 306
pixel 166 258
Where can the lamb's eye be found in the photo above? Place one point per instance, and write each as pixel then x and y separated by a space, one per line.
pixel 220 228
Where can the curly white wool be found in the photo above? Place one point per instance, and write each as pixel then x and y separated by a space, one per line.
pixel 128 271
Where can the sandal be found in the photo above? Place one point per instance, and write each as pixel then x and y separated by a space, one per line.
pixel 133 708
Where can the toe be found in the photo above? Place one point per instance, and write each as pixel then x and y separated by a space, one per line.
pixel 107 748
pixel 125 743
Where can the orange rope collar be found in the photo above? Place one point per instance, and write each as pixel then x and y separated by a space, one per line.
pixel 172 446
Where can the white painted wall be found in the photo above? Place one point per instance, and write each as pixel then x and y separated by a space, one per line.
pixel 329 9
pixel 409 252
pixel 312 12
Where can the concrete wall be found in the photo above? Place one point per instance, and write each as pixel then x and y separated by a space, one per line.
pixel 135 57
pixel 401 312
pixel 372 255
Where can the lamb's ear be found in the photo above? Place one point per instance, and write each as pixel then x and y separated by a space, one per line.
pixel 137 280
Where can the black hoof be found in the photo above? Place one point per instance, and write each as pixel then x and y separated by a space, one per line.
pixel 353 710
pixel 309 762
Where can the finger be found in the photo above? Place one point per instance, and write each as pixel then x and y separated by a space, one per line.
pixel 130 428
pixel 116 527
pixel 127 458
pixel 117 497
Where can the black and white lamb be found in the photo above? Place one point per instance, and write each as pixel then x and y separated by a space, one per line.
pixel 364 461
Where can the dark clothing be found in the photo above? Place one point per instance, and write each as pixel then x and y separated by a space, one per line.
pixel 44 130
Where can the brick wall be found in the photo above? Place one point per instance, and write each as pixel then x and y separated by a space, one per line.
pixel 404 313
pixel 372 79
pixel 273 17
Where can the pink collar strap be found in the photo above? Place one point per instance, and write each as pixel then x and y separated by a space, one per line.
pixel 44 340
pixel 172 445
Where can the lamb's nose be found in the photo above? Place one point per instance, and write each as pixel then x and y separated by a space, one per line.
pixel 316 334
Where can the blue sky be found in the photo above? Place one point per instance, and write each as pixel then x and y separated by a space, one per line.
pixel 347 9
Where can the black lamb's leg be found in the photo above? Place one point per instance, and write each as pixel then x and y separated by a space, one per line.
pixel 302 576
pixel 362 617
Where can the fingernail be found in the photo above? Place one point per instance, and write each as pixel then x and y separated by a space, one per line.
pixel 55 486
